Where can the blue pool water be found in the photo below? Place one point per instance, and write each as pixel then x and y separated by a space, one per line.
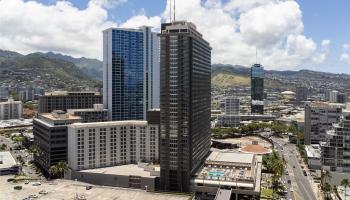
pixel 216 173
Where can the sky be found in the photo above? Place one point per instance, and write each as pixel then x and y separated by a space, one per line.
pixel 288 34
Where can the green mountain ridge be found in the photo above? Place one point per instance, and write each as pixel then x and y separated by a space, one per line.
pixel 38 70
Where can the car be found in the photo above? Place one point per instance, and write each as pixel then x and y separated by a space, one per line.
pixel 304 172
pixel 36 184
pixel 17 187
pixel 26 182
pixel 43 192
pixel 33 196
pixel 89 187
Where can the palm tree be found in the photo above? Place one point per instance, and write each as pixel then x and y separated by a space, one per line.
pixel 324 176
pixel 58 169
pixel 327 189
pixel 345 183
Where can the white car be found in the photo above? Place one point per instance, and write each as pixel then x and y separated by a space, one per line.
pixel 36 184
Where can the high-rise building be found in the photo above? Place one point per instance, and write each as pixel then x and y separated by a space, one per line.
pixel 342 98
pixel 333 96
pixel 335 151
pixel 301 94
pixel 232 106
pixel 68 100
pixel 319 117
pixel 184 103
pixel 257 89
pixel 50 137
pixel 10 109
pixel 131 72
pixel 105 144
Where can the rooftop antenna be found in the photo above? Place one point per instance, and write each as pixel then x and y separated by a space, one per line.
pixel 174 10
pixel 256 55
pixel 170 11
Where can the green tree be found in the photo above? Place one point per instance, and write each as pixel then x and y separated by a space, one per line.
pixel 345 183
pixel 19 140
pixel 327 190
pixel 58 169
pixel 274 164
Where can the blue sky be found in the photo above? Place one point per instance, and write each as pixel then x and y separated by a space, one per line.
pixel 312 33
pixel 328 19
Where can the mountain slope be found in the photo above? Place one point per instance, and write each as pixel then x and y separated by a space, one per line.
pixel 91 67
pixel 35 69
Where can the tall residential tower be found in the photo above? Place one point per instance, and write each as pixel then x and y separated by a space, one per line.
pixel 131 72
pixel 257 89
pixel 184 103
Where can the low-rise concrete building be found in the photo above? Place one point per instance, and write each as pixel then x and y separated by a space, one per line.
pixel 8 164
pixel 313 156
pixel 140 176
pixel 239 173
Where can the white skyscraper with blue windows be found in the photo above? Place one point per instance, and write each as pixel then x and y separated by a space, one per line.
pixel 131 72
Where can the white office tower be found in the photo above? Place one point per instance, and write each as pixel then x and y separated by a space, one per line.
pixel 333 96
pixel 10 109
pixel 105 144
pixel 131 72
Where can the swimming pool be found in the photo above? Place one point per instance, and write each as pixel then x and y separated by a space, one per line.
pixel 216 173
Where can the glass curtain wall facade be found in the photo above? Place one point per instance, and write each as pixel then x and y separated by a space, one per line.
pixel 257 89
pixel 184 103
pixel 131 67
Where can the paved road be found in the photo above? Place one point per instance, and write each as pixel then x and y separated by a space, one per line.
pixel 300 183
pixel 27 157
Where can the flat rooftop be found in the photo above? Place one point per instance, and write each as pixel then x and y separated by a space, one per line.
pixel 6 160
pixel 67 189
pixel 124 170
pixel 110 123
pixel 15 123
pixel 313 151
pixel 66 93
pixel 65 117
pixel 231 157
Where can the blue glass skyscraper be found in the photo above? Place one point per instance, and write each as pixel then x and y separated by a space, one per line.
pixel 131 63
pixel 257 89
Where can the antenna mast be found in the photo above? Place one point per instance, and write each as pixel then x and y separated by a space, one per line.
pixel 174 10
pixel 256 55
pixel 170 11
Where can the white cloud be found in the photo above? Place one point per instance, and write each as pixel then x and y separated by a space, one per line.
pixel 320 56
pixel 234 30
pixel 30 26
pixel 108 3
pixel 325 43
pixel 142 20
pixel 345 56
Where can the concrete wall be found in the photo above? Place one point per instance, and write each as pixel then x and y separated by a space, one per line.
pixel 111 180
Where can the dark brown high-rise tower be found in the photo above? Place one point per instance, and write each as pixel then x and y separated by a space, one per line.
pixel 185 63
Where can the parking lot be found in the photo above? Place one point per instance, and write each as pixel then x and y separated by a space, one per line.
pixel 65 189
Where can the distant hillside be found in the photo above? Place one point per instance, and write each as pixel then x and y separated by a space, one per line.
pixel 37 69
pixel 236 75
pixel 91 67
